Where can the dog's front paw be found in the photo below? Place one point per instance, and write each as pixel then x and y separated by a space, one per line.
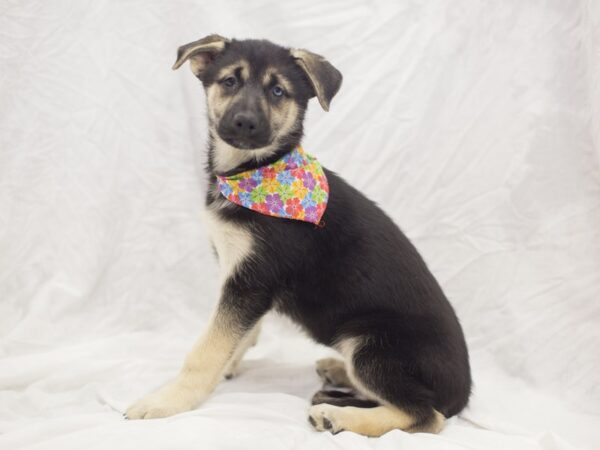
pixel 169 400
pixel 232 370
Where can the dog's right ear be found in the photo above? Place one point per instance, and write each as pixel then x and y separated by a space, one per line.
pixel 200 53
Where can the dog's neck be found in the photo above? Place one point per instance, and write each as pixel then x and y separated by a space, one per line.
pixel 226 160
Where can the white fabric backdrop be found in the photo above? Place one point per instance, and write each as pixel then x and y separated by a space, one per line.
pixel 475 124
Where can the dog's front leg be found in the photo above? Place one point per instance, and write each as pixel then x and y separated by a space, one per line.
pixel 249 340
pixel 237 313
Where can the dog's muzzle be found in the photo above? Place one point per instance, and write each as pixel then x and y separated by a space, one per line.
pixel 245 129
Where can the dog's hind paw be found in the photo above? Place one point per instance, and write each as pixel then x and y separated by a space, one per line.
pixel 333 371
pixel 323 418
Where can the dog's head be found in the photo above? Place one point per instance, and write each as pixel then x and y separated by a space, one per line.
pixel 257 91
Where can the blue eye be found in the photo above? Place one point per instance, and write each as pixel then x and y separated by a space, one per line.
pixel 277 91
pixel 230 81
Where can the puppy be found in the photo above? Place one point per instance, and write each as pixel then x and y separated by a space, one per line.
pixel 294 237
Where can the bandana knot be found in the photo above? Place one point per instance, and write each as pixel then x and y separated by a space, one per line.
pixel 293 187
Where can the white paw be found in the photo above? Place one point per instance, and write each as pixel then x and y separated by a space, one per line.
pixel 167 401
pixel 324 417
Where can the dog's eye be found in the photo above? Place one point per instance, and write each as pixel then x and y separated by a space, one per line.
pixel 277 91
pixel 230 81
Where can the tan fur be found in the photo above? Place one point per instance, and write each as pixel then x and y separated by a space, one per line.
pixel 201 371
pixel 348 348
pixel 232 243
pixel 249 340
pixel 306 60
pixel 283 118
pixel 217 102
pixel 332 370
pixel 215 46
pixel 282 115
pixel 197 65
pixel 367 421
pixel 226 157
pixel 271 72
pixel 197 52
pixel 230 70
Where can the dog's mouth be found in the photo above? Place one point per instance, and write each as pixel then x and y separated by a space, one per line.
pixel 245 144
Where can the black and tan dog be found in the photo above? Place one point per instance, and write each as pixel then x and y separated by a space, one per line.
pixel 354 283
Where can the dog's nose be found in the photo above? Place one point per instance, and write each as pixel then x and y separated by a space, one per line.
pixel 245 128
pixel 245 124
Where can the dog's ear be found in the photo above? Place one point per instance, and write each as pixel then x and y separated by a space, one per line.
pixel 200 53
pixel 325 79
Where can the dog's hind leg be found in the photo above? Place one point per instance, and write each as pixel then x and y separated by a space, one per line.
pixel 370 421
pixel 337 388
pixel 333 371
pixel 342 397
pixel 380 375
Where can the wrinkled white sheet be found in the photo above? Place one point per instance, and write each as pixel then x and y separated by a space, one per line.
pixel 475 124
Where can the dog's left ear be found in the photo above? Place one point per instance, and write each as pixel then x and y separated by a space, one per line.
pixel 200 53
pixel 325 79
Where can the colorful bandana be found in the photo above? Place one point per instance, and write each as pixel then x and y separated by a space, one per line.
pixel 293 187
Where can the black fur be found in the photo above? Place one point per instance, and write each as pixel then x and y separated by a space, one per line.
pixel 346 397
pixel 356 275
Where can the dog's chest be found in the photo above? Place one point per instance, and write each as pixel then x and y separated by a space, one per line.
pixel 232 242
